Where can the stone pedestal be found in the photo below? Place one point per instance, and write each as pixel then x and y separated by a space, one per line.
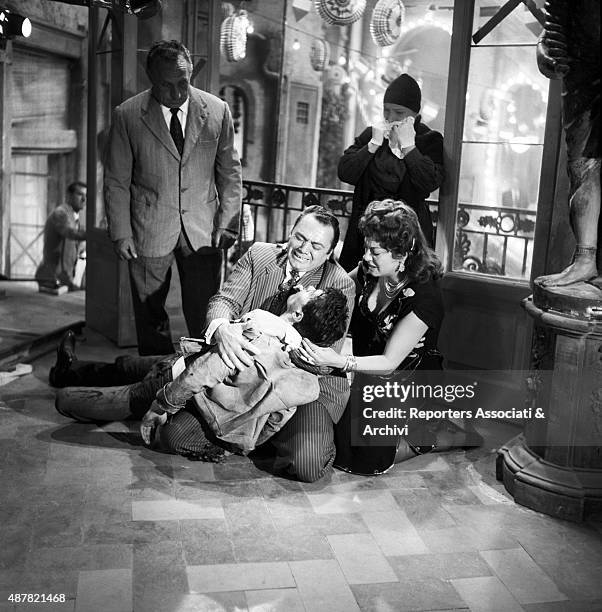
pixel 555 467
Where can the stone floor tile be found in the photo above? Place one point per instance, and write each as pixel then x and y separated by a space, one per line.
pixel 486 594
pixel 458 539
pixel 206 542
pixel 191 602
pixel 522 576
pixel 273 545
pixel 159 568
pixel 195 472
pixel 102 556
pixel 394 533
pixel 423 508
pixel 322 586
pixel 66 606
pixel 107 590
pixel 151 484
pixel 325 524
pixel 352 501
pixel 403 480
pixel 246 515
pixel 410 596
pixel 226 490
pixel 277 488
pixel 441 566
pixel 361 559
pixel 177 509
pixel 565 606
pixel 58 525
pixel 433 462
pixel 238 576
pixel 489 495
pixel 134 532
pixel 294 504
pixel 275 600
pixel 238 471
pixel 16 541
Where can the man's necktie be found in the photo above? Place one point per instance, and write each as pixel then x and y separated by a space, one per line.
pixel 278 305
pixel 175 129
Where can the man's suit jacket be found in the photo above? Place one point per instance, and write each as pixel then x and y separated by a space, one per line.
pixel 62 244
pixel 254 282
pixel 246 408
pixel 150 192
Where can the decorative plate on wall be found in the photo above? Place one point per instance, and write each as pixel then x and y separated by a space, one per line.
pixel 233 38
pixel 318 54
pixel 386 22
pixel 340 12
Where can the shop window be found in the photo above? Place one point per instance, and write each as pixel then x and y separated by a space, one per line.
pixel 502 147
pixel 303 112
pixel 236 100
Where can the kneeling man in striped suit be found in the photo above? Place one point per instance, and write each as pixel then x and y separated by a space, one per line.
pixel 263 278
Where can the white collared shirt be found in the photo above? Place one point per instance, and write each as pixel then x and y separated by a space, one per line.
pixel 182 114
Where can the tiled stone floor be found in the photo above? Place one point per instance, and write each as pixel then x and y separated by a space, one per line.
pixel 90 513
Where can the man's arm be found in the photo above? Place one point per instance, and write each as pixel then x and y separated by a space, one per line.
pixel 425 163
pixel 355 159
pixel 64 225
pixel 228 181
pixel 117 178
pixel 227 304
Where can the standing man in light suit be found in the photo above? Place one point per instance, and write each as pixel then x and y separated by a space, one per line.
pixel 173 189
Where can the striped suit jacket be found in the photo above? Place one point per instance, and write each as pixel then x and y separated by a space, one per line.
pixel 254 282
pixel 151 192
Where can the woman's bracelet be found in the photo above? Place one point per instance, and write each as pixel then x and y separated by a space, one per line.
pixel 350 363
pixel 165 403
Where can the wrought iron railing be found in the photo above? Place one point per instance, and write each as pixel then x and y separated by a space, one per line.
pixel 273 208
pixel 489 240
pixel 494 240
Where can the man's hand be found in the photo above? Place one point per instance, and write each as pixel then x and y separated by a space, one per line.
pixel 404 134
pixel 155 417
pixel 232 346
pixel 223 239
pixel 125 249
pixel 552 52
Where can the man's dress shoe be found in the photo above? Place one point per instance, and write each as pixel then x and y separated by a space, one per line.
pixel 65 356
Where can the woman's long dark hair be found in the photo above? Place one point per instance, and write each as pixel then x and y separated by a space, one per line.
pixel 395 226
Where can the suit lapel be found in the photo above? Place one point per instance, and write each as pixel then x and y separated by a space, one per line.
pixel 152 117
pixel 270 275
pixel 197 115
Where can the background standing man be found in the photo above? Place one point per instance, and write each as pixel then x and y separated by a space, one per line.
pixel 63 241
pixel 173 190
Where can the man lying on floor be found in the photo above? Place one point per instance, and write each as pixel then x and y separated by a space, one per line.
pixel 240 408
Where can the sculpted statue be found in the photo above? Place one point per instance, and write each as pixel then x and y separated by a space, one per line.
pixel 569 49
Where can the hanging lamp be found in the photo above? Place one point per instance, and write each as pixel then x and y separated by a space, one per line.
pixel 319 54
pixel 233 38
pixel 386 22
pixel 340 12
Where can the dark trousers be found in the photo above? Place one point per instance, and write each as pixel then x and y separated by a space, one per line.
pixel 150 278
pixel 140 377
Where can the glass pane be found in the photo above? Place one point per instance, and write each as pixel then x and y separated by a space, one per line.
pixel 501 161
pixel 519 27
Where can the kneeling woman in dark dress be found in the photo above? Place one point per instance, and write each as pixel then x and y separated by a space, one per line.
pixel 396 321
